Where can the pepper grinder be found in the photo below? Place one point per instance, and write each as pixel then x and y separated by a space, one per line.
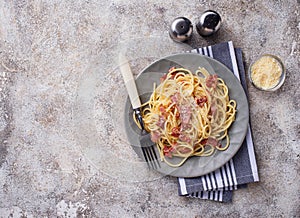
pixel 181 29
pixel 209 23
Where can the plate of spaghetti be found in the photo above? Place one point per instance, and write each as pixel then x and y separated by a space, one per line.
pixel 195 111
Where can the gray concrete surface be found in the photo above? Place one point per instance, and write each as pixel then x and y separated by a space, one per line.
pixel 62 145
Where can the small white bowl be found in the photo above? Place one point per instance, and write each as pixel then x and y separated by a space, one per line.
pixel 267 72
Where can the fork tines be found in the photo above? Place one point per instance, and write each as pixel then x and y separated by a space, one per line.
pixel 151 157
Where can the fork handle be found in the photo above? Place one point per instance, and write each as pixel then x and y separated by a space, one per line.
pixel 129 82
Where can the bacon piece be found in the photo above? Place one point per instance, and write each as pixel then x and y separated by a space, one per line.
pixel 184 138
pixel 203 142
pixel 184 150
pixel 172 68
pixel 155 135
pixel 161 122
pixel 177 115
pixel 175 98
pixel 163 111
pixel 168 151
pixel 185 126
pixel 185 114
pixel 163 78
pixel 212 81
pixel 210 141
pixel 213 109
pixel 175 132
pixel 201 100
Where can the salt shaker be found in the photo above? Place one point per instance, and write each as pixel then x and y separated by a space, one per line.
pixel 181 29
pixel 209 23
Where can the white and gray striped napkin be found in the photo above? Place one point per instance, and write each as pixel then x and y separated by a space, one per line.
pixel 242 168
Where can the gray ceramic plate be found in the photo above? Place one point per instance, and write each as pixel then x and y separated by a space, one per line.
pixel 194 166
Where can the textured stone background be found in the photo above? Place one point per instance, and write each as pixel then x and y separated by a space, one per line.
pixel 55 59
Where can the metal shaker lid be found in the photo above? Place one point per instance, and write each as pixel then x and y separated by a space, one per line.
pixel 181 29
pixel 209 23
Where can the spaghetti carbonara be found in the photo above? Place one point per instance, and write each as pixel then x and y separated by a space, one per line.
pixel 189 114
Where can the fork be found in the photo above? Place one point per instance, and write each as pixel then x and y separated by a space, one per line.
pixel 147 146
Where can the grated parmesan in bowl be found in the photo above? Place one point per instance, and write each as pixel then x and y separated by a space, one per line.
pixel 267 73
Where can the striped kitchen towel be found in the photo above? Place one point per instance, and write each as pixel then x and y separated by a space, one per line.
pixel 242 168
